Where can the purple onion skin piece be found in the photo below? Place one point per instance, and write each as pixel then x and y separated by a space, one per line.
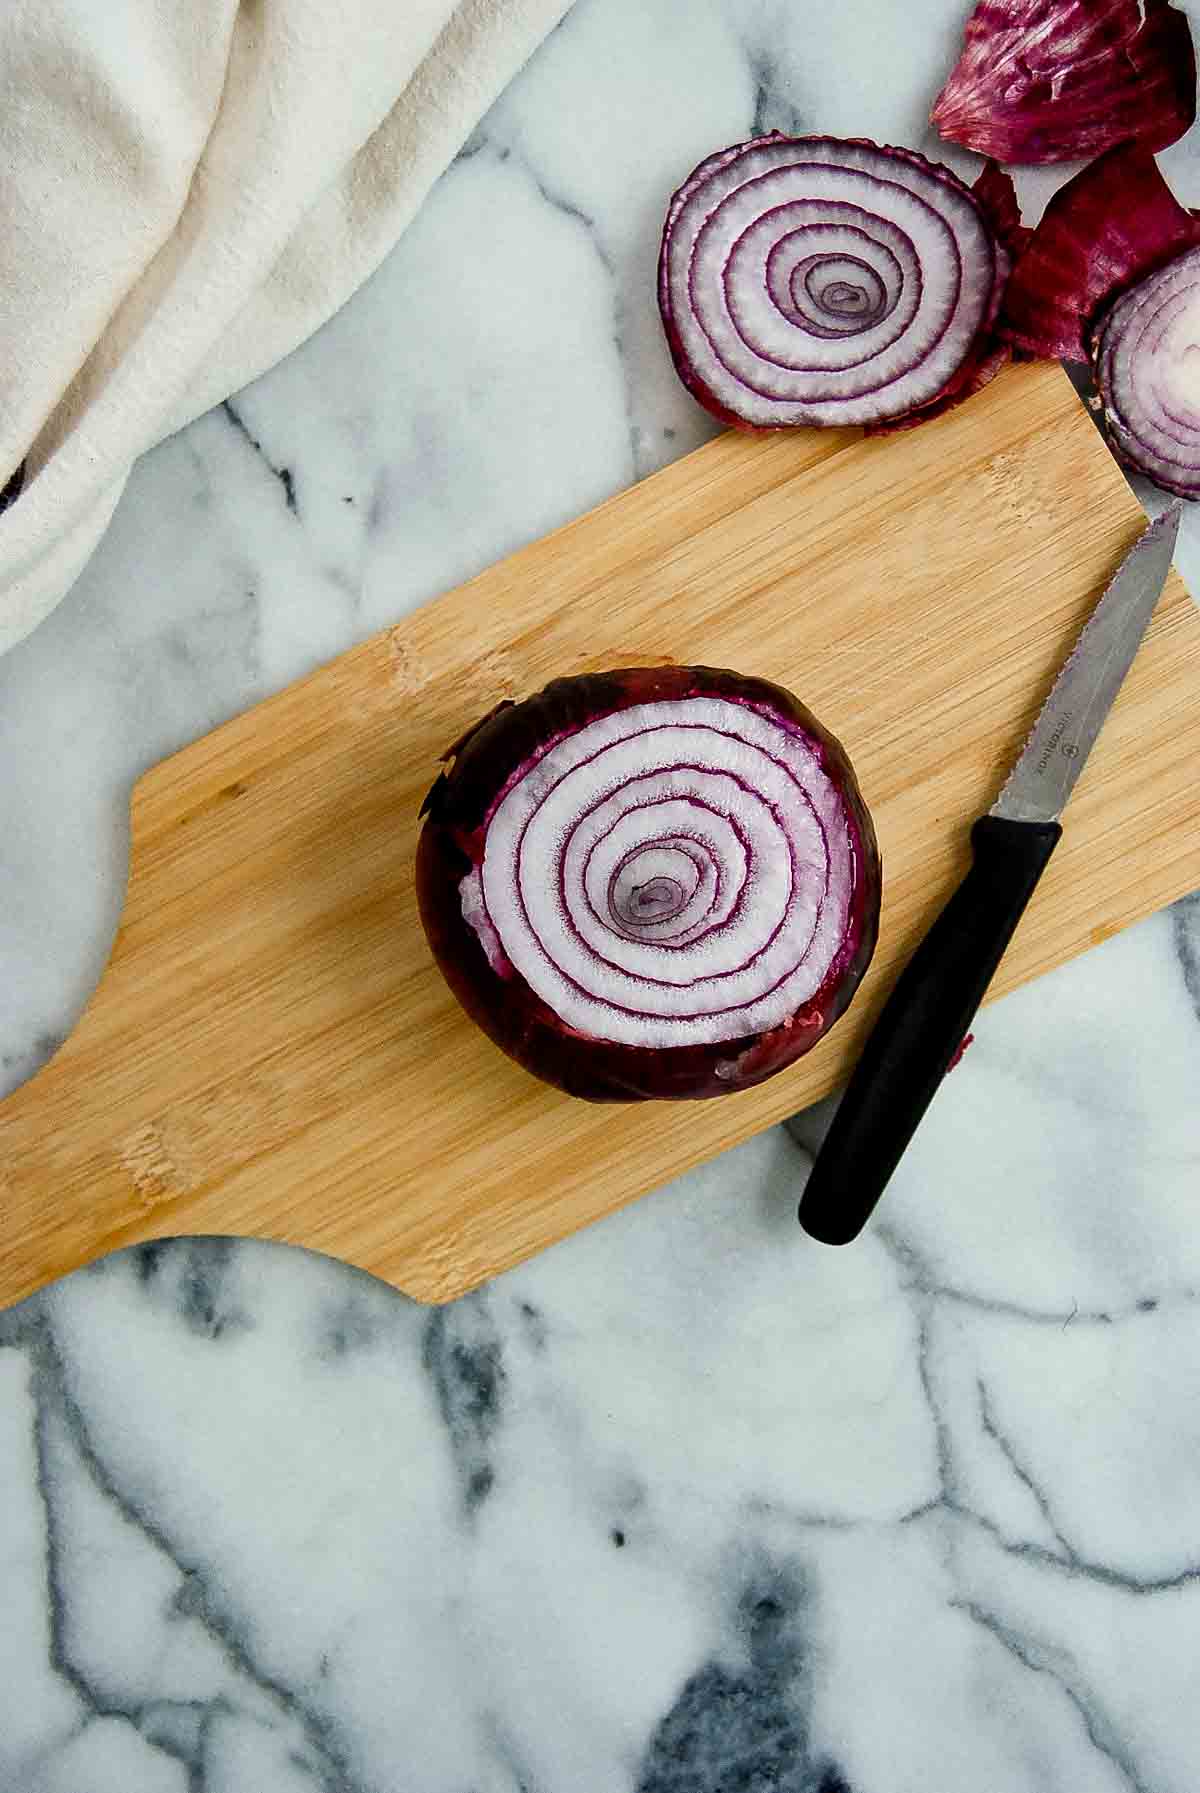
pixel 504 1005
pixel 1111 225
pixel 1043 81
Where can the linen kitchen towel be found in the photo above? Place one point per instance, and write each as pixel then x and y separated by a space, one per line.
pixel 188 188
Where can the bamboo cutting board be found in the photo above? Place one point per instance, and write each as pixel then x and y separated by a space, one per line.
pixel 272 1052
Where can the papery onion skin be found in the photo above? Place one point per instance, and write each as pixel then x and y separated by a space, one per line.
pixel 1115 222
pixel 995 193
pixel 500 1000
pixel 1146 358
pixel 1042 81
pixel 859 331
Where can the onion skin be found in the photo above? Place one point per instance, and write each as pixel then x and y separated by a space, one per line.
pixel 506 1008
pixel 1110 275
pixel 995 194
pixel 1042 81
pixel 1114 223
pixel 757 365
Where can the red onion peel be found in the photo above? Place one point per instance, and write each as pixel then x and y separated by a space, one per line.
pixel 1106 229
pixel 1055 80
pixel 1112 273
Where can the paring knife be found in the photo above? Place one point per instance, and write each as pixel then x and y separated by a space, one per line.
pixel 927 1015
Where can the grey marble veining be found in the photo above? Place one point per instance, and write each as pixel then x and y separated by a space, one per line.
pixel 688 1503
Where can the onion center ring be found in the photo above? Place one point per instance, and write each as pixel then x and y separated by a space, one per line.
pixel 674 873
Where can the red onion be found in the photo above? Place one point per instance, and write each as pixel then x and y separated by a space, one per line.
pixel 1114 223
pixel 1112 272
pixel 657 882
pixel 1052 80
pixel 821 280
pixel 1146 354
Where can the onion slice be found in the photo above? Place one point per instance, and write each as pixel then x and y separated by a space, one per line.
pixel 1105 230
pixel 1052 80
pixel 652 882
pixel 822 280
pixel 1146 355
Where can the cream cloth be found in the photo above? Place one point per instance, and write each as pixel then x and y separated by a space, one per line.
pixel 188 188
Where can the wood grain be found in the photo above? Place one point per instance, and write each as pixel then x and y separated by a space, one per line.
pixel 271 1051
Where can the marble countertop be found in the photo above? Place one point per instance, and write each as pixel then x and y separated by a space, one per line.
pixel 689 1503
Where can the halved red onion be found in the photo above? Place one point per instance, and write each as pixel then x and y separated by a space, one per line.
pixel 822 280
pixel 657 882
pixel 1114 223
pixel 1053 80
pixel 1146 354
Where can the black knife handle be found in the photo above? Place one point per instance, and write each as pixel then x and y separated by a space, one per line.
pixel 922 1026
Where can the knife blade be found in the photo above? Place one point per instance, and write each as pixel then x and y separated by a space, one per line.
pixel 925 1018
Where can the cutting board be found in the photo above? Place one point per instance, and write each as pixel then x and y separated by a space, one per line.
pixel 271 1051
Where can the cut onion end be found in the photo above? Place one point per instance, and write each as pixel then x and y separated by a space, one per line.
pixel 829 281
pixel 1146 358
pixel 1055 80
pixel 651 882
pixel 1101 233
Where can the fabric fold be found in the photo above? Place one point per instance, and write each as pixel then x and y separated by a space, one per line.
pixel 188 189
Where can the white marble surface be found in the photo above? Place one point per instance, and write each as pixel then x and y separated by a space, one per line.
pixel 689 1502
